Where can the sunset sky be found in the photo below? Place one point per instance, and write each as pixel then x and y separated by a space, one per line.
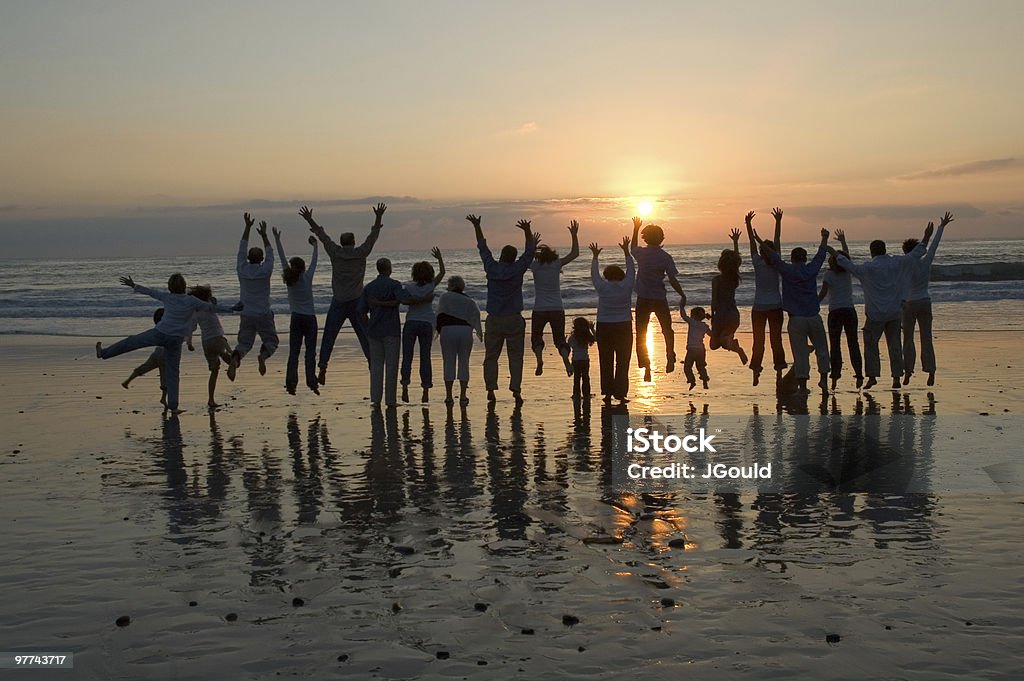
pixel 143 128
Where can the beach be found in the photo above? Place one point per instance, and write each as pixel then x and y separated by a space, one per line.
pixel 432 542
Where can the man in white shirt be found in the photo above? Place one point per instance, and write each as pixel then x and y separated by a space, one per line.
pixel 255 267
pixel 882 279
pixel 917 307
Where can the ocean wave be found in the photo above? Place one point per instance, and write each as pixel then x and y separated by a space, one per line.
pixel 981 271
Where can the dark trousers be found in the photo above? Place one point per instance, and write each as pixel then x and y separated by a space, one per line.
pixel 581 378
pixel 303 329
pixel 918 313
pixel 614 345
pixel 336 318
pixel 413 331
pixel 644 308
pixel 840 322
pixel 773 318
pixel 695 357
pixel 541 318
pixel 172 357
pixel 873 332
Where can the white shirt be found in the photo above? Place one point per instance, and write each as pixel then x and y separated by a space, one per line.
pixel 420 312
pixel 547 285
pixel 921 271
pixel 614 298
pixel 580 351
pixel 254 280
pixel 882 278
pixel 840 290
pixel 767 295
pixel 209 322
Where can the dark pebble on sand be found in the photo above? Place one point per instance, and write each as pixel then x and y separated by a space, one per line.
pixel 668 602
pixel 677 543
pixel 655 628
pixel 394 572
pixel 123 621
pixel 480 607
pixel 298 602
pixel 342 658
pixel 832 638
pixel 442 654
pixel 395 607
pixel 570 620
pixel 231 617
pixel 581 649
pixel 527 632
pixel 17 451
pixel 405 550
pixel 982 413
pixel 192 604
pixel 481 663
pixel 888 627
pixel 969 623
pixel 99 397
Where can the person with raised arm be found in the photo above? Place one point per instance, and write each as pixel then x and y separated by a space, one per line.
pixel 653 264
pixel 837 285
pixel 419 323
pixel 614 322
pixel 348 269
pixel 767 307
pixel 547 302
pixel 725 316
pixel 255 267
pixel 917 307
pixel 168 333
pixel 800 300
pixel 882 278
pixel 302 328
pixel 505 325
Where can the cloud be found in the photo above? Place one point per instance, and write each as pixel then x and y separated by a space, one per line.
pixel 908 211
pixel 523 130
pixel 272 204
pixel 960 169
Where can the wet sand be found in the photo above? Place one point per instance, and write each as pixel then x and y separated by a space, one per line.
pixel 449 543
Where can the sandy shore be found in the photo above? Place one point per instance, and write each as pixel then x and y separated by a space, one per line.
pixel 435 543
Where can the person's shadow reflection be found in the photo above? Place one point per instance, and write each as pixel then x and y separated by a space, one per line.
pixel 507 475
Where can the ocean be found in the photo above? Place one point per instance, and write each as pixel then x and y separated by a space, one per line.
pixel 976 286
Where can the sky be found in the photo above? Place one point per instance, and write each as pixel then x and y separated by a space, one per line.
pixel 145 128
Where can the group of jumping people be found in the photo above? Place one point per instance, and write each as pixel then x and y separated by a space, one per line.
pixel 895 291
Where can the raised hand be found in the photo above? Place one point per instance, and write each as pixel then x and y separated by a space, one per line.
pixel 749 218
pixel 637 223
pixel 595 249
pixel 311 240
pixel 524 225
pixel 824 233
pixel 277 233
pixel 574 228
pixel 436 252
pixel 249 221
pixel 536 238
pixel 625 245
pixel 946 219
pixel 379 209
pixel 307 213
pixel 777 214
pixel 734 234
pixel 840 234
pixel 262 229
pixel 127 281
pixel 928 230
pixel 475 219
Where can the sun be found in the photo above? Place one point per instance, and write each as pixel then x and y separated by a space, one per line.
pixel 645 207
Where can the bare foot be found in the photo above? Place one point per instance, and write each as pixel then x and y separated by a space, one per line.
pixel 212 405
pixel 872 381
pixel 316 391
pixel 491 397
pixel 405 393
pixel 175 412
pixel 426 395
pixel 895 383
pixel 519 399
pixel 757 377
pixel 463 401
pixel 693 384
pixel 261 361
pixel 743 355
pixel 705 383
pixel 647 373
pixel 834 382
pixel 233 367
pixel 99 350
pixel 321 378
pixel 670 364
pixel 931 378
pixel 906 378
pixel 860 381
pixel 125 385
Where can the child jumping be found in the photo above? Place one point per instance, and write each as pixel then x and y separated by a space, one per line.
pixel 579 342
pixel 215 344
pixel 695 351
pixel 156 360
